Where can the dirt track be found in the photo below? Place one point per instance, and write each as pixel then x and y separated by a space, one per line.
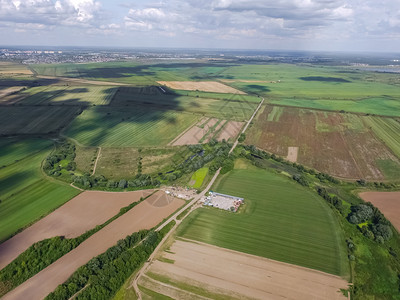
pixel 205 86
pixel 74 218
pixel 237 274
pixel 143 216
pixel 387 202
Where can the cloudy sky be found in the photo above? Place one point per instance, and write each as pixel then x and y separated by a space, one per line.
pixel 346 25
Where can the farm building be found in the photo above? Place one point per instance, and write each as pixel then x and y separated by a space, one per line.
pixel 223 201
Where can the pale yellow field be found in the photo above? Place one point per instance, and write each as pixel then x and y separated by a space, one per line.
pixel 204 86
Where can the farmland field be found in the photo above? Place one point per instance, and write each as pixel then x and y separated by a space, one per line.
pixel 80 214
pixel 152 97
pixel 145 215
pixel 204 86
pixel 123 126
pixel 388 130
pixel 35 120
pixel 191 270
pixel 64 95
pixel 280 220
pixel 337 144
pixel 26 195
pixel 198 177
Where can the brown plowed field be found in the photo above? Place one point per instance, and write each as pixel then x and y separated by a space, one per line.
pixel 387 202
pixel 237 274
pixel 74 218
pixel 230 130
pixel 142 216
pixel 204 86
pixel 292 154
pixel 337 144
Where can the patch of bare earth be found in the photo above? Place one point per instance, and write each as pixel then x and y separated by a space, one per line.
pixel 195 133
pixel 230 130
pixel 326 141
pixel 74 218
pixel 387 202
pixel 204 86
pixel 292 154
pixel 235 274
pixel 10 95
pixel 142 216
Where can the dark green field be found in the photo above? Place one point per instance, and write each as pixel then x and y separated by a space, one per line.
pixel 35 119
pixel 26 195
pixel 123 126
pixel 280 220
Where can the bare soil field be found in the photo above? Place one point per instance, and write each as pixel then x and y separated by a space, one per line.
pixel 230 130
pixel 74 218
pixel 143 216
pixel 7 68
pixel 206 129
pixel 220 271
pixel 204 86
pixel 292 154
pixel 195 133
pixel 337 144
pixel 387 202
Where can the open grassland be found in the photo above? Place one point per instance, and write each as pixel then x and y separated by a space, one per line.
pixel 280 220
pixel 128 126
pixel 25 194
pixel 216 273
pixel 153 98
pixel 123 162
pixel 196 181
pixel 145 215
pixel 388 130
pixel 67 95
pixel 35 120
pixel 337 144
pixel 85 158
pixel 77 216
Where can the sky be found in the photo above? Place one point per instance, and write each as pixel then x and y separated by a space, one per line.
pixel 321 25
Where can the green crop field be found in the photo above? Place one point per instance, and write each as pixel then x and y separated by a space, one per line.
pixel 281 220
pixel 198 177
pixel 133 126
pixel 75 95
pixel 13 149
pixel 225 109
pixel 25 194
pixel 388 130
pixel 35 119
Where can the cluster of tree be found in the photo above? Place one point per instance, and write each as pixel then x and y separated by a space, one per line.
pixel 63 151
pixel 34 259
pixel 351 247
pixel 43 253
pixel 242 137
pixel 378 227
pixel 376 185
pixel 140 180
pixel 104 275
pixel 301 179
pixel 331 199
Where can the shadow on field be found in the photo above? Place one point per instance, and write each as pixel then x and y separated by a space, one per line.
pixel 323 79
pixel 27 82
pixel 114 72
pixel 45 97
